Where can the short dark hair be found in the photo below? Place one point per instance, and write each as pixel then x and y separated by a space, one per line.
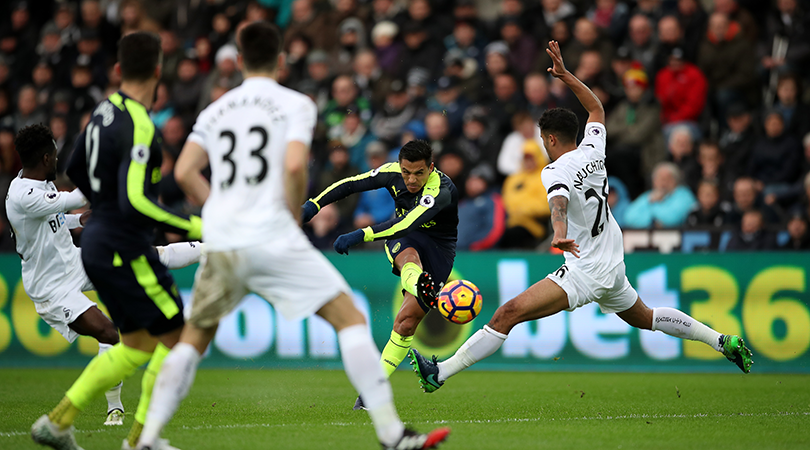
pixel 561 122
pixel 416 150
pixel 260 43
pixel 32 142
pixel 139 54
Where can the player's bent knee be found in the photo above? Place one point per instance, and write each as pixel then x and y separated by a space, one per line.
pixel 506 317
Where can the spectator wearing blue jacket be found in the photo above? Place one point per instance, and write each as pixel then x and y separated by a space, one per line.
pixel 618 199
pixel 375 206
pixel 481 216
pixel 667 205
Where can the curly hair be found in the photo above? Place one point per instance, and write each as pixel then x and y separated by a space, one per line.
pixel 32 142
pixel 417 150
pixel 561 122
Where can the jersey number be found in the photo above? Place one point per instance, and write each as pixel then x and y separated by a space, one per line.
pixel 91 138
pixel 256 153
pixel 598 226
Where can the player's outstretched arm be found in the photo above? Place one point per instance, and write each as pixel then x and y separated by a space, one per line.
pixel 559 221
pixel 589 100
pixel 339 190
pixel 295 178
pixel 188 173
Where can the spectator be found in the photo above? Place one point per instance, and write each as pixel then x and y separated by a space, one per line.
pixel 354 135
pixel 478 142
pixel 349 9
pixel 226 74
pixel 325 227
pixel 448 100
pixel 481 216
pixel 497 62
pixel 338 170
pixel 370 78
pixel 776 157
pixel 438 133
pixel 187 89
pixel 682 152
pixel 466 71
pixel 316 27
pixel 85 94
pixel 397 111
pixel 681 89
pixel 510 158
pixel 725 59
pixel 320 74
pixel 747 198
pixel 586 38
pixel 524 198
pixel 421 50
pixel 374 206
pixel 133 18
pixel 64 20
pixel 618 199
pixel 28 112
pixel 344 98
pixel 737 142
pixel 799 235
pixel 538 96
pixel 789 22
pixel 297 49
pixel 707 212
pixel 667 205
pixel 670 37
pixel 641 43
pixel 788 103
pixel 557 11
pixel 636 144
pixel 64 145
pixel 162 109
pixel 752 234
pixel 172 55
pixel 92 18
pixel 712 168
pixel 386 10
pixel 351 38
pixel 508 100
pixel 52 52
pixel 417 81
pixel 468 40
pixel 389 52
pixel 522 47
pixel 748 25
pixel 42 78
pixel 611 17
pixel 693 19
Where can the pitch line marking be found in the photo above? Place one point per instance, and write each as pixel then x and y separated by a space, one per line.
pixel 450 422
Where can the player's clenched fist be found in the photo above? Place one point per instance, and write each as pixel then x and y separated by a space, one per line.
pixel 344 241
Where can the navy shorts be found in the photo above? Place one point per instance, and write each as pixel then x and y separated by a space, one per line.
pixel 437 260
pixel 138 291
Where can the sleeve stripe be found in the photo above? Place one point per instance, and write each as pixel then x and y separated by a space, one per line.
pixel 558 186
pixel 432 187
pixel 391 167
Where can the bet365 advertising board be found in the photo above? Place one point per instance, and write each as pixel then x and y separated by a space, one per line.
pixel 764 297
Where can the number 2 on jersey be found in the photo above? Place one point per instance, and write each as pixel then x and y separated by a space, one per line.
pixel 598 225
pixel 91 137
pixel 255 153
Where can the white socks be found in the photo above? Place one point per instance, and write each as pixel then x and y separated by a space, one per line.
pixel 179 255
pixel 361 361
pixel 114 394
pixel 171 387
pixel 679 324
pixel 479 346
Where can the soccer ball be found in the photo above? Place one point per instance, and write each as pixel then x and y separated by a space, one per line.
pixel 459 301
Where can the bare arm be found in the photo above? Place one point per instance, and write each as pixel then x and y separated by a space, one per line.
pixel 559 222
pixel 187 172
pixel 589 100
pixel 295 177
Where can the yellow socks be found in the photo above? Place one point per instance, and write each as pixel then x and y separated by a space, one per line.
pixel 104 371
pixel 409 274
pixel 147 384
pixel 396 349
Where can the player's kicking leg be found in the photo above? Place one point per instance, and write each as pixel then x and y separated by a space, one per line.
pixel 677 323
pixel 416 284
pixel 95 324
pixel 543 299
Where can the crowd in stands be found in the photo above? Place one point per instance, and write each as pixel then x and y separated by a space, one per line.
pixel 708 122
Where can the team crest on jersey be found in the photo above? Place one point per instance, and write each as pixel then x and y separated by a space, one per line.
pixel 140 154
pixel 105 110
pixel 51 197
pixel 67 312
pixel 427 201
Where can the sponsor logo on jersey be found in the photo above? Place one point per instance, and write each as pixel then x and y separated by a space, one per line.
pixel 427 201
pixel 396 192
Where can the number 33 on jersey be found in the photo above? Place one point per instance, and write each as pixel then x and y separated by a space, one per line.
pixel 580 176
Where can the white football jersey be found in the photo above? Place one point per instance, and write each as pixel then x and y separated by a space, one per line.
pixel 40 228
pixel 580 176
pixel 245 134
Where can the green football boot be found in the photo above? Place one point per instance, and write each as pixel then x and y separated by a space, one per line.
pixel 427 370
pixel 735 350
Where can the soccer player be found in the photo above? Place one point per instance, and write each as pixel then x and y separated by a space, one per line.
pixel 256 139
pixel 52 271
pixel 117 162
pixel 420 242
pixel 594 269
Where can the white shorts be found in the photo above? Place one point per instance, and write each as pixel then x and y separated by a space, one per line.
pixel 290 274
pixel 613 293
pixel 65 306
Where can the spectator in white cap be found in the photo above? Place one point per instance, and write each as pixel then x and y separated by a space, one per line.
pixel 225 74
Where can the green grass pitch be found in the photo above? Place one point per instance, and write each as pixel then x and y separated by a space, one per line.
pixel 262 409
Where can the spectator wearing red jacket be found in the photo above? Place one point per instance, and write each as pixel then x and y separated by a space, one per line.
pixel 681 89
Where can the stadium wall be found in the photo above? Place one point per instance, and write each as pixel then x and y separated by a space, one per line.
pixel 762 296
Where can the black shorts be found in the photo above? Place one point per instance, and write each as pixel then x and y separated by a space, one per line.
pixel 138 291
pixel 437 259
